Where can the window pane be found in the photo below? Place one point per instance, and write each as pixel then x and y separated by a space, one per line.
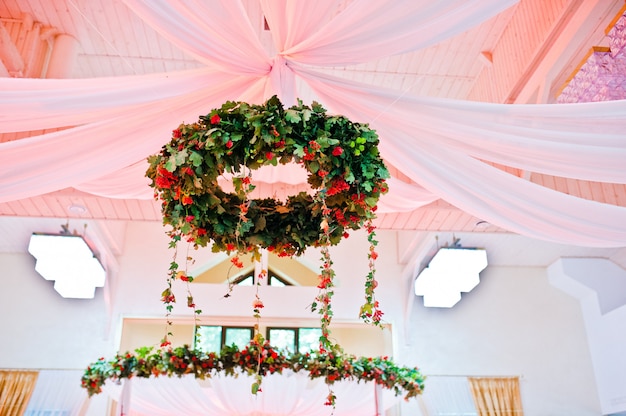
pixel 283 339
pixel 274 281
pixel 246 281
pixel 209 338
pixel 309 339
pixel 239 336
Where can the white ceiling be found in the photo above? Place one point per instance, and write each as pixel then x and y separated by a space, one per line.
pixel 113 42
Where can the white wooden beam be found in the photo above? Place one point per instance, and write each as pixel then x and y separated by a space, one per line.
pixel 4 73
pixel 9 55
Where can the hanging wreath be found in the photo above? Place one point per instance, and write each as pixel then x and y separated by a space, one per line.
pixel 345 172
pixel 340 157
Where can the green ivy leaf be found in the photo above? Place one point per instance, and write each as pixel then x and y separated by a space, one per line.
pixel 196 159
pixel 292 116
pixel 314 166
pixel 260 224
pixel 317 107
pixel 170 165
pixel 181 157
pixel 213 200
pixel 298 150
pixel 143 352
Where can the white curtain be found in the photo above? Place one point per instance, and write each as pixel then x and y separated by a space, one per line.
pixel 446 396
pixel 57 393
pixel 289 394
pixel 444 146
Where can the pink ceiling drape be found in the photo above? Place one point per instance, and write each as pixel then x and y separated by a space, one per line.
pixel 440 144
pixel 449 167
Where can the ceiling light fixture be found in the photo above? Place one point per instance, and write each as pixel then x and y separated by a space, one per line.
pixel 70 262
pixel 77 209
pixel 451 271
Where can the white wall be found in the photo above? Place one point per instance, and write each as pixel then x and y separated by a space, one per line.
pixel 40 329
pixel 599 285
pixel 513 323
pixel 144 266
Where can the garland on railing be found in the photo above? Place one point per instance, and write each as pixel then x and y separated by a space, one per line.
pixel 257 359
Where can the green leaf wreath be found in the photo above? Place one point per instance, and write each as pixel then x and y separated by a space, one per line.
pixel 341 157
pixel 344 168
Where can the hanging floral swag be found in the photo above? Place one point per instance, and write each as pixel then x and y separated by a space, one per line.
pixel 257 359
pixel 344 169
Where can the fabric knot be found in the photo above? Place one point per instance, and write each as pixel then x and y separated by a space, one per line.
pixel 282 81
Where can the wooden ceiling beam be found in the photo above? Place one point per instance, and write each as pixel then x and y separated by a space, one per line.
pixel 9 55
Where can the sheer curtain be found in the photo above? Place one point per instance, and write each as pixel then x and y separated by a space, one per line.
pixel 16 388
pixel 497 396
pixel 447 395
pixel 289 394
pixel 445 146
pixel 57 393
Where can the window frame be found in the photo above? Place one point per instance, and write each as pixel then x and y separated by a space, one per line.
pixel 271 275
pixel 224 329
pixel 296 330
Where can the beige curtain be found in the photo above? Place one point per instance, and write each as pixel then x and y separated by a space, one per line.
pixel 496 396
pixel 16 387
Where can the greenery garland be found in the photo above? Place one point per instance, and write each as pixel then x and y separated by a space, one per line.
pixel 257 359
pixel 340 157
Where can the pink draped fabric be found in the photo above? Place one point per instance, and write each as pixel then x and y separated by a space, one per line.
pixel 489 193
pixel 45 163
pixel 580 141
pixel 33 103
pixel 439 144
pixel 225 41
